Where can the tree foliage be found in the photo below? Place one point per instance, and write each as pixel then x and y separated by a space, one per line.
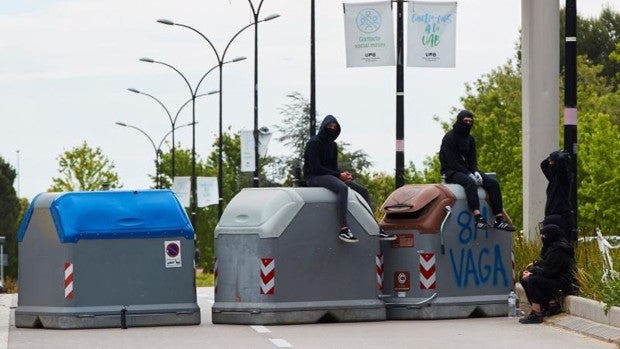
pixel 597 38
pixel 10 213
pixel 84 169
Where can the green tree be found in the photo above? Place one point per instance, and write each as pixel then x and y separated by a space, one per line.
pixel 597 38
pixel 10 213
pixel 84 169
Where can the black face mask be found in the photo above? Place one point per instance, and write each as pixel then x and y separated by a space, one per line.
pixel 331 134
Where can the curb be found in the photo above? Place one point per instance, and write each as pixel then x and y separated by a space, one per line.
pixel 582 315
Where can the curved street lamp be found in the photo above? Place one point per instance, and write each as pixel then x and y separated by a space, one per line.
pixel 172 120
pixel 193 92
pixel 157 148
pixel 220 59
pixel 255 14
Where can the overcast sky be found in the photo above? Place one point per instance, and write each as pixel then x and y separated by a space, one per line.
pixel 65 66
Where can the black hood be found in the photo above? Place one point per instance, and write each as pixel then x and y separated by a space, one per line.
pixel 323 134
pixel 551 233
pixel 461 128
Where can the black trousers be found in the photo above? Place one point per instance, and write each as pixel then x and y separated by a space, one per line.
pixel 342 191
pixel 541 290
pixel 471 191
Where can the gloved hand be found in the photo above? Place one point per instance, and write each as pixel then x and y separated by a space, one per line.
pixel 473 177
pixel 478 178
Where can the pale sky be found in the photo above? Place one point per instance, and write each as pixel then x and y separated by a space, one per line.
pixel 65 66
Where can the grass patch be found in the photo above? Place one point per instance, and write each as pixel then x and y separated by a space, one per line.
pixel 204 279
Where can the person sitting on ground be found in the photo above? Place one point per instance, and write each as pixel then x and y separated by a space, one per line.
pixel 321 170
pixel 459 165
pixel 544 279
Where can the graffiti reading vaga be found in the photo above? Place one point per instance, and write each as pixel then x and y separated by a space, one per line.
pixel 476 264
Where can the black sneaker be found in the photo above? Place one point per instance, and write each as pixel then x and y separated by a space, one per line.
pixel 346 236
pixel 481 223
pixel 503 225
pixel 533 318
pixel 383 236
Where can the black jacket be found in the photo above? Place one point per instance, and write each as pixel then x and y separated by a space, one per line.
pixel 321 152
pixel 458 149
pixel 556 169
pixel 558 257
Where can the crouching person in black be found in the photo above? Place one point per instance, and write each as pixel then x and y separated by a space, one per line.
pixel 545 278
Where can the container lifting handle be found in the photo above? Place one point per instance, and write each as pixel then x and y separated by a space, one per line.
pixel 398 207
pixel 441 234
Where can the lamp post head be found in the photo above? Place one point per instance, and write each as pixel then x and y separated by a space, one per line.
pixel 147 60
pixel 270 17
pixel 237 59
pixel 165 21
pixel 121 124
pixel 131 89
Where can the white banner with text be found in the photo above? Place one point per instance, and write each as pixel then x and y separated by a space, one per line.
pixel 431 34
pixel 369 34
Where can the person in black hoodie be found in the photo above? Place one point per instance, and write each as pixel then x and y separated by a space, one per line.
pixel 554 272
pixel 459 165
pixel 321 170
pixel 556 169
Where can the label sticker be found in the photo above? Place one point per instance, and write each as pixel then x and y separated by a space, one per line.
pixel 402 281
pixel 172 250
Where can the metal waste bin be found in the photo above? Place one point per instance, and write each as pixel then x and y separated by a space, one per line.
pixel 106 259
pixel 279 259
pixel 441 266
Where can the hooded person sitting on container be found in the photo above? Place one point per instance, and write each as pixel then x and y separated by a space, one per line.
pixel 321 170
pixel 550 276
pixel 459 165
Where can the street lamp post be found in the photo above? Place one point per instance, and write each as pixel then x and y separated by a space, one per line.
pixel 255 14
pixel 220 60
pixel 157 148
pixel 172 120
pixel 193 92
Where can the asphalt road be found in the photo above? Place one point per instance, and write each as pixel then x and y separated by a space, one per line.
pixel 462 333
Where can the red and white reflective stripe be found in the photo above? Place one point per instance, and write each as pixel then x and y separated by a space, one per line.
pixel 379 268
pixel 427 271
pixel 215 276
pixel 267 275
pixel 68 280
pixel 512 260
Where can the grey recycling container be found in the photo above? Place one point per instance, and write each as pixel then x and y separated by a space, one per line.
pixel 279 260
pixel 106 259
pixel 440 266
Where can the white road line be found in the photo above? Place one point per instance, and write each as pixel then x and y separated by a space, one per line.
pixel 260 329
pixel 280 343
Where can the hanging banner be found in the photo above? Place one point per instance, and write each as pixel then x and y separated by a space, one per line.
pixel 247 150
pixel 206 190
pixel 431 34
pixel 247 147
pixel 369 34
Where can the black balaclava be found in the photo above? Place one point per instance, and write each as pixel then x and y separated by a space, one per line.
pixel 551 233
pixel 327 134
pixel 461 128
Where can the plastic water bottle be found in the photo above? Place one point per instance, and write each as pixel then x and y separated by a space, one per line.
pixel 512 304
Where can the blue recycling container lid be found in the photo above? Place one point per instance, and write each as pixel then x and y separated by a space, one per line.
pixel 112 215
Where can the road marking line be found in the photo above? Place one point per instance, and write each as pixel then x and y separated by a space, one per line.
pixel 260 329
pixel 280 343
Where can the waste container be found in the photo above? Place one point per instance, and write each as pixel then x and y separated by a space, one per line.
pixel 106 259
pixel 279 259
pixel 440 266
